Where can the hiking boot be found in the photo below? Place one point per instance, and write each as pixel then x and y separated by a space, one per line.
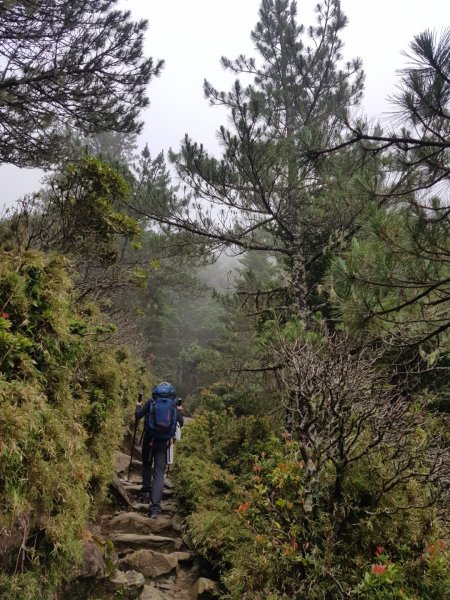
pixel 154 515
pixel 144 497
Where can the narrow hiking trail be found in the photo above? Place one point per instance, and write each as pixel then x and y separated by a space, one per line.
pixel 149 559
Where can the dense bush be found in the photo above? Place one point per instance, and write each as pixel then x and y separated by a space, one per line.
pixel 244 399
pixel 63 396
pixel 251 513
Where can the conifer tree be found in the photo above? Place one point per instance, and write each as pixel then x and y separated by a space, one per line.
pixel 258 196
pixel 395 279
pixel 68 63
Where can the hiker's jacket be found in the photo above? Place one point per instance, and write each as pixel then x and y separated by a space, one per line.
pixel 143 410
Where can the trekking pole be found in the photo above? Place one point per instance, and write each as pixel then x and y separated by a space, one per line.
pixel 136 421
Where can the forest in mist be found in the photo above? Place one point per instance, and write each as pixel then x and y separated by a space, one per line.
pixel 294 288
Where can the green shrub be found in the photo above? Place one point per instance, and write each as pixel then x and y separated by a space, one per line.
pixel 256 517
pixel 408 576
pixel 218 535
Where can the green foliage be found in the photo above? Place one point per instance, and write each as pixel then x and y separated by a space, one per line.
pixel 390 577
pixel 87 58
pixel 219 536
pixel 248 497
pixel 63 395
pixel 393 281
pixel 244 399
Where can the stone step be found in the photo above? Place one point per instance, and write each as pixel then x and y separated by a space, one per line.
pixel 126 581
pixel 135 488
pixel 132 522
pixel 184 557
pixel 123 463
pixel 150 592
pixel 150 563
pixel 125 542
pixel 167 507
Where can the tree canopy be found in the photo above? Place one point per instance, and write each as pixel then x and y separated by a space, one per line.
pixel 68 63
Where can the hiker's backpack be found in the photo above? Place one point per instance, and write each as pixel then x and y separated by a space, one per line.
pixel 162 414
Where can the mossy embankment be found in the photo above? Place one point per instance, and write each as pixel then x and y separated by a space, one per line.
pixel 64 394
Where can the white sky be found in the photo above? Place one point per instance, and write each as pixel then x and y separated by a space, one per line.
pixel 192 35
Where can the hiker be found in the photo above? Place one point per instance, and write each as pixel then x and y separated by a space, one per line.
pixel 162 416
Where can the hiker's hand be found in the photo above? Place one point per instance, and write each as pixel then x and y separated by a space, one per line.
pixel 139 405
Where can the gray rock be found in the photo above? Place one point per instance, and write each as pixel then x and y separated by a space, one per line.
pixel 167 585
pixel 122 462
pixel 127 580
pixel 119 492
pixel 140 507
pixel 150 541
pixel 177 523
pixel 187 541
pixel 168 507
pixel 184 556
pixel 150 592
pixel 132 486
pixel 93 564
pixel 203 589
pixel 178 543
pixel 131 522
pixel 150 563
pixel 169 483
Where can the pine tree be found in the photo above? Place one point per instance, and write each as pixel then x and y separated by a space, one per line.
pixel 68 63
pixel 259 195
pixel 394 281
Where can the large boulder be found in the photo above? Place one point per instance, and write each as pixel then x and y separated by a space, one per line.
pixel 150 563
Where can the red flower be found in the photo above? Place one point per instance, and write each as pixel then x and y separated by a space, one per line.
pixel 379 550
pixel 5 315
pixel 378 569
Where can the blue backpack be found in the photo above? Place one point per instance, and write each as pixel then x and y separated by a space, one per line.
pixel 162 415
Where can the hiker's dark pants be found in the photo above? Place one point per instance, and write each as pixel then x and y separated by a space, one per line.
pixel 154 461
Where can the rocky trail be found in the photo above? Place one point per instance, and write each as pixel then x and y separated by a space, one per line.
pixel 129 555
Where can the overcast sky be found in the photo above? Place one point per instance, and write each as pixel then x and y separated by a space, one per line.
pixel 191 36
